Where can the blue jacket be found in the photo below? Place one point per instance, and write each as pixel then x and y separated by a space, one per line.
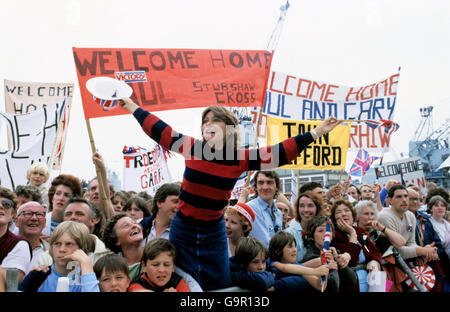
pixel 255 281
pixel 288 283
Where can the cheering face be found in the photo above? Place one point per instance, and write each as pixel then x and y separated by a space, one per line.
pixel 128 231
pixel 160 269
pixel 213 130
pixel 366 216
pixel 258 264
pixel 113 281
pixel 233 226
pixel 306 209
pixel 31 221
pixel 289 253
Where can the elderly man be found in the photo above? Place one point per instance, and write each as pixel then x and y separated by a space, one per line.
pixel 30 221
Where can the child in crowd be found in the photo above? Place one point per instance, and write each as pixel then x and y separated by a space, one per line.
pixel 248 266
pixel 158 265
pixel 315 234
pixel 71 241
pixel 283 262
pixel 238 222
pixel 112 273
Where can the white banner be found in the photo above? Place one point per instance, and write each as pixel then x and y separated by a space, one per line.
pixel 298 98
pixel 145 170
pixel 411 168
pixel 23 97
pixel 32 140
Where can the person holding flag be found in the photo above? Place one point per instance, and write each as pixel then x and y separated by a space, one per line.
pixel 213 165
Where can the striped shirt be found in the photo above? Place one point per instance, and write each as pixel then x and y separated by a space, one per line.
pixel 209 176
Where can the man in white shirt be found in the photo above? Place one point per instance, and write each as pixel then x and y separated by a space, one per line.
pixel 30 221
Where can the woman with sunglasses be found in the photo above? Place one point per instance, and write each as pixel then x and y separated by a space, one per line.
pixel 15 251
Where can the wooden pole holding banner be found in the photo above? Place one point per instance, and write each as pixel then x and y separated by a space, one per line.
pixel 99 175
pixel 58 131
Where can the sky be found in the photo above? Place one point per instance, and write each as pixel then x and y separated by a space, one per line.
pixel 346 42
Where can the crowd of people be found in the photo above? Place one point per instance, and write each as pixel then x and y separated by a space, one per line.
pixel 191 237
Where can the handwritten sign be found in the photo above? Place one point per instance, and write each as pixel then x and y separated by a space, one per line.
pixel 326 153
pixel 145 170
pixel 411 168
pixel 33 136
pixel 165 79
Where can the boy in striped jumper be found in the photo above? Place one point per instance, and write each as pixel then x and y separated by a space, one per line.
pixel 212 167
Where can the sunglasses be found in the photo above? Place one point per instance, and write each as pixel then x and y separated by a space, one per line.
pixel 7 204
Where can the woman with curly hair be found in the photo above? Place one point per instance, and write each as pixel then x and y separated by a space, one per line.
pixel 62 189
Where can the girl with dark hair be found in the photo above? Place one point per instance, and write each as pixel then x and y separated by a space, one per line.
pixel 213 166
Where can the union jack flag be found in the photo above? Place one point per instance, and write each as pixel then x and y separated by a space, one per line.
pixel 362 163
pixel 389 125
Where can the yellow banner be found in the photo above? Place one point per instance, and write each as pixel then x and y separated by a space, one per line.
pixel 329 152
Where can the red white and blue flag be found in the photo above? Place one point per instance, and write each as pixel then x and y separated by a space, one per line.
pixel 326 246
pixel 389 125
pixel 362 163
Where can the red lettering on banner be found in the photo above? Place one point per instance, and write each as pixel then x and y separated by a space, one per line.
pixel 353 134
pixel 350 92
pixel 421 182
pixel 321 87
pixel 392 82
pixel 127 160
pixel 364 90
pixel 300 86
pixel 361 135
pixel 385 82
pixel 326 99
pixel 144 181
pixel 384 137
pixel 286 84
